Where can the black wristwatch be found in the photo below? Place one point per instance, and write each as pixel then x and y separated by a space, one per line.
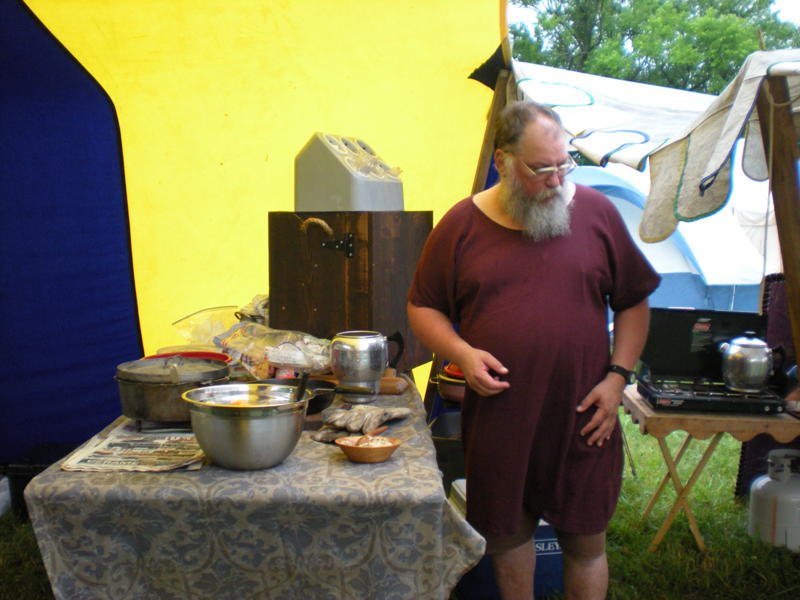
pixel 629 376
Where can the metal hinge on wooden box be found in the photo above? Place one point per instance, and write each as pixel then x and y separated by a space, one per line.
pixel 338 271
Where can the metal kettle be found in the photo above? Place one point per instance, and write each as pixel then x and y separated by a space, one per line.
pixel 359 359
pixel 746 363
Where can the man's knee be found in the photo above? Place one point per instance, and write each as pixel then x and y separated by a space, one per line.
pixel 498 544
pixel 582 547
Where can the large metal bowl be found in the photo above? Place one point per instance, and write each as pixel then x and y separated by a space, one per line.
pixel 247 426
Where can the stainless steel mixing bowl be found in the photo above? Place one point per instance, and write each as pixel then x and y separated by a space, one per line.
pixel 247 426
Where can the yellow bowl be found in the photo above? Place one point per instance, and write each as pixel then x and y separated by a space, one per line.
pixel 366 454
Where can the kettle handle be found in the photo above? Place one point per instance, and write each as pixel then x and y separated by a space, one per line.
pixel 779 351
pixel 397 338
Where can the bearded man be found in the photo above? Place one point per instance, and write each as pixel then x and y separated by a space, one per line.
pixel 514 285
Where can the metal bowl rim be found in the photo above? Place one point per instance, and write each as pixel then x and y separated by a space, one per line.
pixel 231 413
pixel 283 405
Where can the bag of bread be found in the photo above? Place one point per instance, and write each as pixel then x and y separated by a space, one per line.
pixel 261 350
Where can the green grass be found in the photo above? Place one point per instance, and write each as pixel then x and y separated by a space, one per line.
pixel 22 574
pixel 733 567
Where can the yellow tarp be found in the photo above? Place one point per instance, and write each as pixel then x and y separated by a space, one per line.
pixel 215 99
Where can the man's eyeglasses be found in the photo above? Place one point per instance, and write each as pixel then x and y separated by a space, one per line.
pixel 544 172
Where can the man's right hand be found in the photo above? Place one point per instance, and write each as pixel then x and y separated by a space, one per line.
pixel 483 372
pixel 434 329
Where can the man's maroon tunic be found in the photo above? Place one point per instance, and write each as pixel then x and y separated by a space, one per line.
pixel 541 309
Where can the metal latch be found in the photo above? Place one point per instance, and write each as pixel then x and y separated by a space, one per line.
pixel 346 244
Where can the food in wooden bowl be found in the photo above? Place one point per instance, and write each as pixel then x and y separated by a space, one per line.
pixel 368 449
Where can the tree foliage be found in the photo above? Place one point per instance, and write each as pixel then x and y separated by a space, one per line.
pixel 696 45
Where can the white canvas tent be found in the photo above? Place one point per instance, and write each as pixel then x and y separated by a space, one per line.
pixel 691 174
pixel 610 119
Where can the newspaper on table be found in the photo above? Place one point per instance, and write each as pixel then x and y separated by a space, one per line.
pixel 126 449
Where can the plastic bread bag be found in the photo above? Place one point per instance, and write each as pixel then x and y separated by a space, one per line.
pixel 260 349
pixel 257 310
pixel 200 327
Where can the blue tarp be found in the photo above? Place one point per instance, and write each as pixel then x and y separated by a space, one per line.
pixel 67 304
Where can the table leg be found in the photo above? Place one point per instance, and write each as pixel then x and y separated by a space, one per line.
pixel 666 478
pixel 672 473
pixel 682 501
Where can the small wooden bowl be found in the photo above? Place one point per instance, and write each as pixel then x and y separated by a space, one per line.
pixel 366 454
pixel 451 388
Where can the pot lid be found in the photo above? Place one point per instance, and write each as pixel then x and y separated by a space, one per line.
pixel 749 340
pixel 173 369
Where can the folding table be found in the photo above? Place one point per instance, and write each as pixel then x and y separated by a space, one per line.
pixel 698 426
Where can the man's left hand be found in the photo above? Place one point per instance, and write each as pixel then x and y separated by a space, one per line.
pixel 606 396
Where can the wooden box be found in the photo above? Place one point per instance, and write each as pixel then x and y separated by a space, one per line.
pixel 338 271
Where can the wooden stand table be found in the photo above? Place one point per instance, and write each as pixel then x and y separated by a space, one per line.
pixel 701 426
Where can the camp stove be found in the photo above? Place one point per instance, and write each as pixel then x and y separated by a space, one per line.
pixel 703 395
pixel 681 365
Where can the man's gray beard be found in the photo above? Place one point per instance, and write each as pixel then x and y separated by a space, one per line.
pixel 540 218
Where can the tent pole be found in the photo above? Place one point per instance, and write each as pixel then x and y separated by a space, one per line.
pixel 487 147
pixel 773 107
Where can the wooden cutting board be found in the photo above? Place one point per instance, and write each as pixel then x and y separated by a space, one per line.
pixel 389 384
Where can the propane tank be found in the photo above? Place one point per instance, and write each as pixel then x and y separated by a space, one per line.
pixel 774 515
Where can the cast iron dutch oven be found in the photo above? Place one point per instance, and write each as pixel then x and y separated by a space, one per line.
pixel 150 388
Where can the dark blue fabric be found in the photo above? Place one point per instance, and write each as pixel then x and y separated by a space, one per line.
pixel 68 311
pixel 492 176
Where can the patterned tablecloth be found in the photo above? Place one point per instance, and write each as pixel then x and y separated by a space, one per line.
pixel 314 527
